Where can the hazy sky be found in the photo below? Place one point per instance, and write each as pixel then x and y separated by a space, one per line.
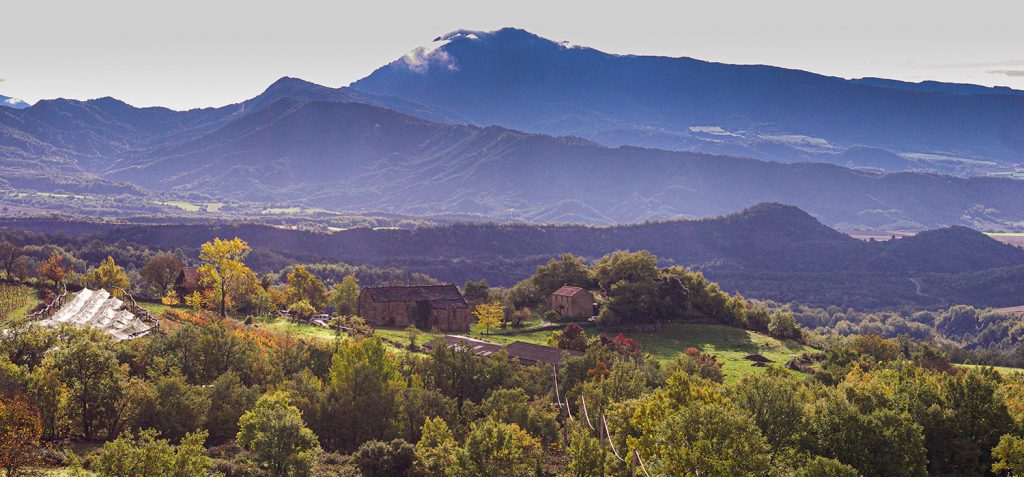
pixel 190 53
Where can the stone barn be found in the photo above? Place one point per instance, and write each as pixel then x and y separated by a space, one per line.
pixel 573 302
pixel 429 306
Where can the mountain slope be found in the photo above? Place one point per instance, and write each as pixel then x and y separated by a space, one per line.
pixel 354 156
pixel 516 79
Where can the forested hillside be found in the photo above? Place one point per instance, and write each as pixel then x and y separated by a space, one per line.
pixel 769 251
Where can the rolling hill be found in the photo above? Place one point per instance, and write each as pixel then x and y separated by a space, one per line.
pixel 767 251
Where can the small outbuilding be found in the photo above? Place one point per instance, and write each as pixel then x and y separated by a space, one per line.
pixel 187 281
pixel 572 302
pixel 440 306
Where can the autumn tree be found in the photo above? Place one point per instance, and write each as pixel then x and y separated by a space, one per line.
pixel 161 270
pixel 20 431
pixel 170 298
pixel 53 269
pixel 572 338
pixel 304 286
pixel 274 432
pixel 223 269
pixel 344 296
pixel 489 315
pixel 108 276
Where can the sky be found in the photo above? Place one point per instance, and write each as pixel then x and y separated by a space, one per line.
pixel 188 53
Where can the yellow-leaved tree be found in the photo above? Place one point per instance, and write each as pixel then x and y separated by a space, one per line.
pixel 109 276
pixel 223 269
pixel 489 315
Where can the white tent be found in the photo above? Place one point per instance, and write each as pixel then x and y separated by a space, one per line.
pixel 99 309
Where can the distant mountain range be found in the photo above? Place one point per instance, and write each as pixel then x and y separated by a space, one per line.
pixel 767 251
pixel 415 138
pixel 515 79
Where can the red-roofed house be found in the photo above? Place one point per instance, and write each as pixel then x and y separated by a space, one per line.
pixel 573 302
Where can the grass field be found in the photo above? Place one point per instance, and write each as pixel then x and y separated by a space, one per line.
pixel 186 206
pixel 729 344
pixel 29 301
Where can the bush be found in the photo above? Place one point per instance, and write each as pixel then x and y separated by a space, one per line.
pixel 385 459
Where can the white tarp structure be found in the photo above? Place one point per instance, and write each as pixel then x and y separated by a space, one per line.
pixel 98 309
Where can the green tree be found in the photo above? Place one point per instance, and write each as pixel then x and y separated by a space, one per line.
pixel 709 438
pixel 513 406
pixel 10 254
pixel 437 451
pixel 223 269
pixel 274 432
pixel 91 372
pixel 344 296
pixel 418 405
pixel 630 267
pixel 476 291
pixel 567 269
pixel 776 402
pixel 783 325
pixel 501 450
pixel 586 456
pixel 304 286
pixel 161 270
pixel 180 408
pixel 824 467
pixel 145 454
pixel 877 443
pixel 229 399
pixel 363 394
pixel 1008 456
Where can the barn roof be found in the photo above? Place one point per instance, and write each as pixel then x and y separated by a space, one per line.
pixel 439 296
pixel 529 353
pixel 479 347
pixel 526 353
pixel 188 278
pixel 567 291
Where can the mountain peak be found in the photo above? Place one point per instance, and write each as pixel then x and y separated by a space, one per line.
pixel 13 103
pixel 289 82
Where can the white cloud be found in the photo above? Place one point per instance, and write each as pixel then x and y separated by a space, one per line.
pixel 422 58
